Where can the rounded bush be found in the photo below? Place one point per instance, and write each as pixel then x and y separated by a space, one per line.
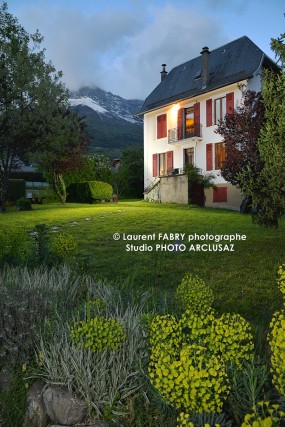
pixel 98 334
pixel 193 294
pixel 276 339
pixel 23 204
pixel 231 338
pixel 63 246
pixel 196 381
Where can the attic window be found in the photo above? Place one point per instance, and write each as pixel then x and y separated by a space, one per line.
pixel 198 74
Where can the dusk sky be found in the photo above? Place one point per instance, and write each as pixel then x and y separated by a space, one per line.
pixel 119 45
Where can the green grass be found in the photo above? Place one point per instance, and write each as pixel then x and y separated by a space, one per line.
pixel 242 281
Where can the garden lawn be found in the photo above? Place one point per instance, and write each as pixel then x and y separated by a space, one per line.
pixel 243 281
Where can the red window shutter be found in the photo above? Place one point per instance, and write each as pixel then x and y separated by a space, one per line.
pixel 230 102
pixel 161 126
pixel 154 165
pixel 197 118
pixel 220 194
pixel 209 113
pixel 169 161
pixel 209 157
pixel 180 114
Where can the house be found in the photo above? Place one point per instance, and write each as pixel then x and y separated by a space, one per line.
pixel 180 118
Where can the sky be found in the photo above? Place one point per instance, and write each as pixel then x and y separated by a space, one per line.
pixel 119 45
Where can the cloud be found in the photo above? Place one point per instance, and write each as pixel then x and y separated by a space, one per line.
pixel 121 50
pixel 173 36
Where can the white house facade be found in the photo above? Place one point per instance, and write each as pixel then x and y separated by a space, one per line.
pixel 182 113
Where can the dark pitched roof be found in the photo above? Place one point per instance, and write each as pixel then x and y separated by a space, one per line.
pixel 233 62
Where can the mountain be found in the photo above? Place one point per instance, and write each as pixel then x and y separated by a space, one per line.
pixel 109 120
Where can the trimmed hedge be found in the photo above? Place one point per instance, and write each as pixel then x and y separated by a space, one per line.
pixel 16 189
pixel 89 192
pixel 28 176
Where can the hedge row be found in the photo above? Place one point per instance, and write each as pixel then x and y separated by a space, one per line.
pixel 16 189
pixel 89 192
pixel 28 176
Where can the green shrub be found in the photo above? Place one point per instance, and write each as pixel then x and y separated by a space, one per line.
pixel 265 414
pixel 23 204
pixel 189 358
pixel 195 381
pixel 98 334
pixel 231 338
pixel 16 189
pixel 63 246
pixel 205 419
pixel 281 279
pixel 14 402
pixel 105 379
pixel 14 247
pixel 276 339
pixel 193 294
pixel 89 192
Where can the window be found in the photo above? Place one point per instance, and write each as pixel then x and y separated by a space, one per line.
pixel 189 122
pixel 219 109
pixel 162 164
pixel 161 126
pixel 189 156
pixel 222 106
pixel 220 154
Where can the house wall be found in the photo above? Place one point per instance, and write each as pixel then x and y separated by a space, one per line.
pixel 234 198
pixel 174 189
pixel 152 145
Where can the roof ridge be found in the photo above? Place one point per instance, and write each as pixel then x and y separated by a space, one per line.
pixel 216 48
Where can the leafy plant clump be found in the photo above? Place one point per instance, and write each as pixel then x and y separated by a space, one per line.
pixel 98 334
pixel 265 414
pixel 63 246
pixel 189 357
pixel 194 294
pixel 23 204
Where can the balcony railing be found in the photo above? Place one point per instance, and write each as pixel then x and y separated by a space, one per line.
pixel 172 172
pixel 180 133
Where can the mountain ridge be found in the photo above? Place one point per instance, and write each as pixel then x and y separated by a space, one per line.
pixel 109 120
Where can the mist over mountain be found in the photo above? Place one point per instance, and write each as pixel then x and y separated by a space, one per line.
pixel 109 120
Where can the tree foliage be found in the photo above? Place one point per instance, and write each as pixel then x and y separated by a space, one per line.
pixel 33 100
pixel 271 144
pixel 240 131
pixel 63 149
pixel 131 172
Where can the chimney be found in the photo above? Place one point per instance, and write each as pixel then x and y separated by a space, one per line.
pixel 163 73
pixel 205 66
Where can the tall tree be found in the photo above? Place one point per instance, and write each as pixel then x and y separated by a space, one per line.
pixel 240 132
pixel 31 93
pixel 131 171
pixel 64 145
pixel 271 144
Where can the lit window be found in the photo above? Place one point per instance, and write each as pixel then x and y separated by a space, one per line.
pixel 220 154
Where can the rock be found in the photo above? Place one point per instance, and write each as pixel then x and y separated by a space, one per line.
pixel 62 407
pixel 36 413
